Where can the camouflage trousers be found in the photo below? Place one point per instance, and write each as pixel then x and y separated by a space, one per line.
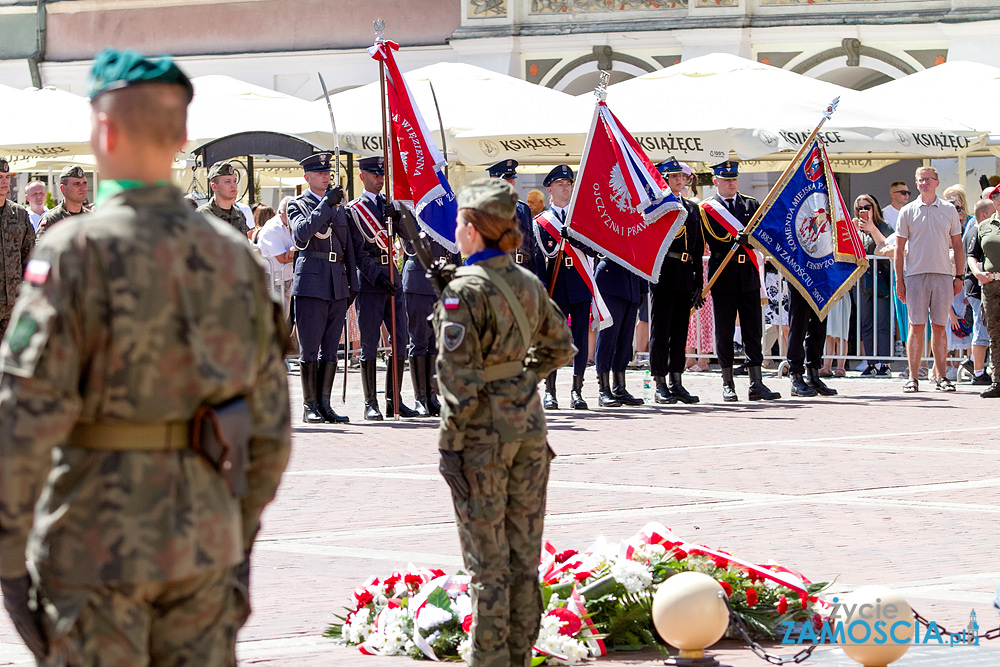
pixel 500 528
pixel 188 622
pixel 991 312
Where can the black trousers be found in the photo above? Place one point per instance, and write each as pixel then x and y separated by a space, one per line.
pixel 579 325
pixel 806 335
pixel 319 323
pixel 419 308
pixel 669 317
pixel 726 306
pixel 374 310
pixel 614 344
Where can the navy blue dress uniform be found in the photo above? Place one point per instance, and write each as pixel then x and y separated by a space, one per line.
pixel 571 294
pixel 622 292
pixel 735 292
pixel 527 255
pixel 806 344
pixel 323 285
pixel 379 281
pixel 678 287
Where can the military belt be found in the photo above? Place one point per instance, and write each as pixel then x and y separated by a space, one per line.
pixel 683 256
pixel 328 256
pixel 504 371
pixel 163 436
pixel 520 257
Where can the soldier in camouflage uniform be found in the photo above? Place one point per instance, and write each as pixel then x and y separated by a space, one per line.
pixel 129 322
pixel 225 189
pixel 498 333
pixel 17 238
pixel 73 185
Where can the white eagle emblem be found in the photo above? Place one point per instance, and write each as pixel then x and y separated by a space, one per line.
pixel 619 190
pixel 402 158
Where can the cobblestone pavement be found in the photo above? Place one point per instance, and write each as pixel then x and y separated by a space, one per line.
pixel 869 487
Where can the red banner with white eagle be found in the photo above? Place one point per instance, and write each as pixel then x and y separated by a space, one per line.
pixel 621 206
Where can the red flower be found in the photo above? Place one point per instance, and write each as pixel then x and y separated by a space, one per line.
pixel 571 623
pixel 720 562
pixel 467 623
pixel 680 554
pixel 581 576
pixel 392 581
pixel 753 576
pixel 363 596
pixel 782 604
pixel 751 597
pixel 726 587
pixel 804 600
pixel 413 580
pixel 565 555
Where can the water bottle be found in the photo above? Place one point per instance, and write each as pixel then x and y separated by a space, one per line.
pixel 647 388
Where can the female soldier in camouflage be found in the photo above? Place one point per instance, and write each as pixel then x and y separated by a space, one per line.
pixel 499 333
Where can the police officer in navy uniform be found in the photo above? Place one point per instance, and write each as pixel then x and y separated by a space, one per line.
pixel 324 283
pixel 737 290
pixel 571 293
pixel 526 255
pixel 676 290
pixel 379 280
pixel 622 291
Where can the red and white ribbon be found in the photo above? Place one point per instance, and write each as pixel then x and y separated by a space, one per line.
pixel 718 212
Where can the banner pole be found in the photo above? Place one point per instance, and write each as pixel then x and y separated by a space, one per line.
pixel 771 195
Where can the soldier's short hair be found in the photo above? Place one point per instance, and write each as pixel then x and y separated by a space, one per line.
pixel 155 113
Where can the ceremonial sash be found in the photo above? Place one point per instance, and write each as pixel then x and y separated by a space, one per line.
pixel 583 264
pixel 718 212
pixel 369 224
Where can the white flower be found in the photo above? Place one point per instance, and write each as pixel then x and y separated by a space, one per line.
pixel 462 606
pixel 632 575
pixel 465 650
pixel 550 641
pixel 430 616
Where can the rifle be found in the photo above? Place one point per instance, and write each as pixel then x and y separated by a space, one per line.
pixel 438 269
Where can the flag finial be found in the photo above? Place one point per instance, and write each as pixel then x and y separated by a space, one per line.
pixel 601 92
pixel 831 107
pixel 379 25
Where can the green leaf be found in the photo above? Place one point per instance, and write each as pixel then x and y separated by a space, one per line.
pixel 440 599
pixel 538 660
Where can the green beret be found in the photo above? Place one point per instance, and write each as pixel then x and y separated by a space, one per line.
pixel 72 171
pixel 221 169
pixel 492 196
pixel 115 69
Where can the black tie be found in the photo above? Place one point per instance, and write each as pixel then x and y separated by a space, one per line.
pixel 731 205
pixel 562 216
pixel 380 203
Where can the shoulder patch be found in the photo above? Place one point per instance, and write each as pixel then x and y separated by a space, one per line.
pixel 452 335
pixel 26 338
pixel 37 271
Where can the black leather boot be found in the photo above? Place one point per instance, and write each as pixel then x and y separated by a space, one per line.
pixel 728 386
pixel 758 392
pixel 621 393
pixel 678 391
pixel 433 405
pixel 820 387
pixel 310 408
pixel 549 401
pixel 576 394
pixel 418 372
pixel 800 387
pixel 662 395
pixel 993 391
pixel 390 404
pixel 371 396
pixel 324 387
pixel 607 399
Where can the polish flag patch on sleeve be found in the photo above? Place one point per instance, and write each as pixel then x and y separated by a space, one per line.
pixel 37 271
pixel 450 302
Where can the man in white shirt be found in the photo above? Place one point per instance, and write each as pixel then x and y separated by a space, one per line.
pixel 34 194
pixel 275 240
pixel 899 193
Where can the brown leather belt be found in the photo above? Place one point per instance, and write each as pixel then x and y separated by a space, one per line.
pixel 138 437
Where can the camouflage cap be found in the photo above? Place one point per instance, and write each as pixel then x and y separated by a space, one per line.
pixel 115 69
pixel 72 171
pixel 221 169
pixel 492 196
pixel 4 166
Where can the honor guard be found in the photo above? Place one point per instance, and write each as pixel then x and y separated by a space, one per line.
pixel 73 185
pixel 622 291
pixel 525 255
pixel 323 284
pixel 17 238
pixel 737 290
pixel 379 282
pixel 224 183
pixel 678 288
pixel 571 293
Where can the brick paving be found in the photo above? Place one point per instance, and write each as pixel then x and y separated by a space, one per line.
pixel 871 487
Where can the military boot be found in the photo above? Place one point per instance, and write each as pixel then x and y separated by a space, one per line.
pixel 662 395
pixel 311 413
pixel 549 401
pixel 678 391
pixel 758 392
pixel 621 393
pixel 818 385
pixel 390 404
pixel 728 386
pixel 433 405
pixel 800 387
pixel 324 386
pixel 371 396
pixel 576 394
pixel 606 398
pixel 418 373
pixel 993 391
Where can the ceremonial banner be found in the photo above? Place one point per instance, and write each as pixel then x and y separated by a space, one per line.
pixel 806 228
pixel 621 206
pixel 416 161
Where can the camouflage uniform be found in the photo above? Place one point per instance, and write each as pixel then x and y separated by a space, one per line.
pixel 54 215
pixel 17 238
pixel 233 216
pixel 499 426
pixel 134 318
